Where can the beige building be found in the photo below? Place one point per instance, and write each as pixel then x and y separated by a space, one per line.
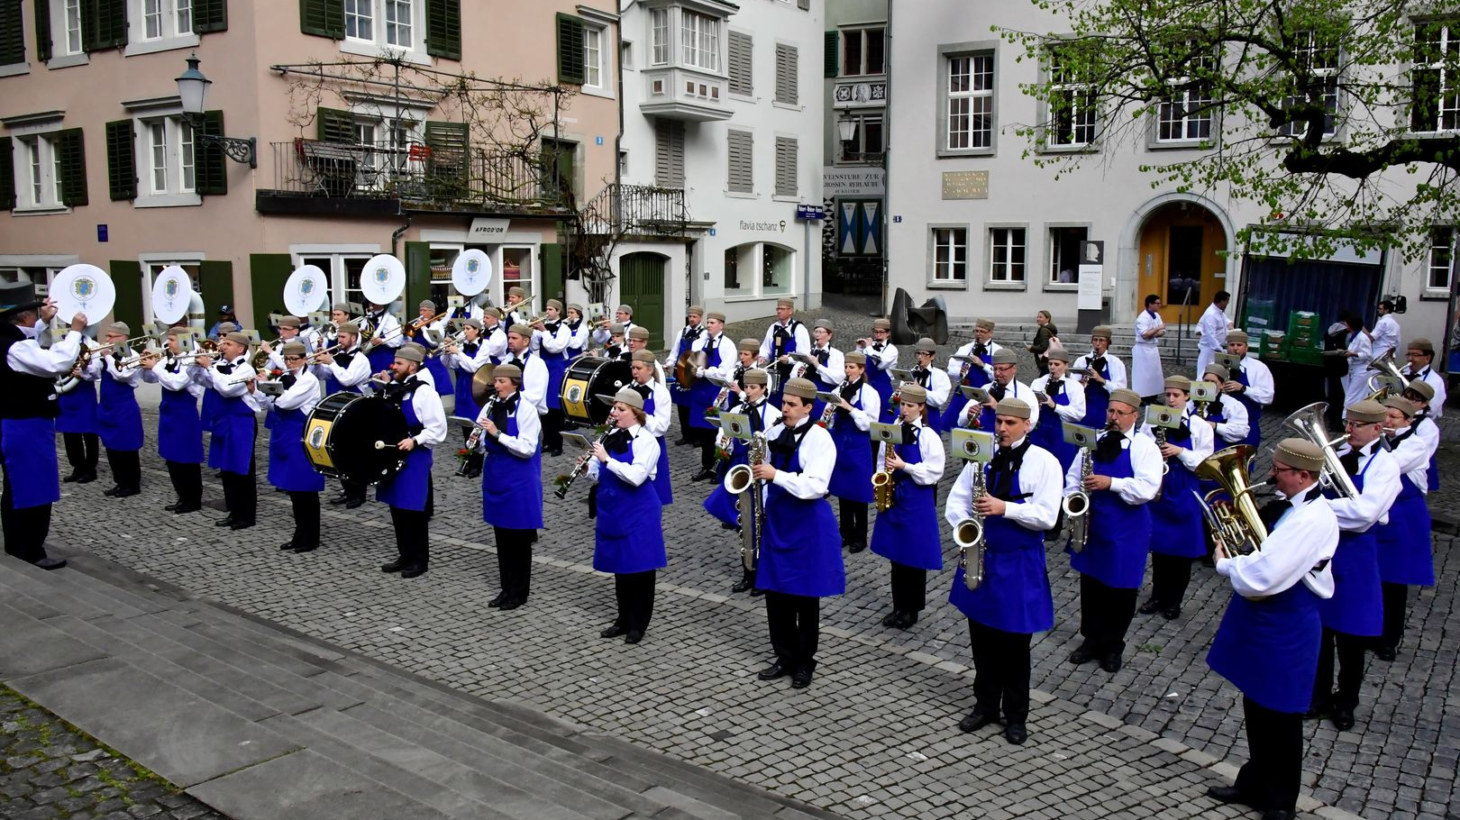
pixel 419 127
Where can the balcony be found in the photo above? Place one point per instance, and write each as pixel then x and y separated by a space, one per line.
pixel 680 93
pixel 636 210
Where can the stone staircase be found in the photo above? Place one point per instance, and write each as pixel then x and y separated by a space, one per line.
pixel 1122 337
pixel 259 722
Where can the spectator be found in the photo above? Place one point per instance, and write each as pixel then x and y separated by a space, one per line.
pixel 225 314
pixel 1042 338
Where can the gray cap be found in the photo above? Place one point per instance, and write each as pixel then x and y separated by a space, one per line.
pixel 411 353
pixel 627 395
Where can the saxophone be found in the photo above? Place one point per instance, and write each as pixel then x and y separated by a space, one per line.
pixel 1076 507
pixel 968 535
pixel 883 491
pixel 741 482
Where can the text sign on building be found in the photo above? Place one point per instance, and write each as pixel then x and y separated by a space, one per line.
pixel 810 212
pixel 488 230
pixel 853 183
pixel 1092 276
pixel 965 184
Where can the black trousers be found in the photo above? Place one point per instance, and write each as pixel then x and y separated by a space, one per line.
pixel 514 561
pixel 1170 576
pixel 795 627
pixel 126 466
pixel 187 482
pixel 1396 605
pixel 552 429
pixel 684 429
pixel 1350 653
pixel 852 521
pixel 353 489
pixel 1270 778
pixel 82 451
pixel 1105 615
pixel 706 439
pixel 1000 671
pixel 306 519
pixel 635 594
pixel 25 530
pixel 412 536
pixel 909 588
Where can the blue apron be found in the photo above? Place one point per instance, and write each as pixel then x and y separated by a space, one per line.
pixel 1269 648
pixel 977 377
pixel 29 447
pixel 661 475
pixel 908 532
pixel 511 486
pixel 119 419
pixel 1097 396
pixel 289 467
pixel 331 385
pixel 1254 412
pixel 179 428
pixel 781 349
pixel 408 488
pixel 231 447
pixel 78 409
pixel 703 393
pixel 1015 594
pixel 1115 553
pixel 879 379
pixel 629 530
pixel 800 550
pixel 1177 526
pixel 466 405
pixel 1405 554
pixel 1050 434
pixel 382 355
pixel 851 478
pixel 439 374
pixel 1357 605
pixel 721 504
pixel 574 351
pixel 557 365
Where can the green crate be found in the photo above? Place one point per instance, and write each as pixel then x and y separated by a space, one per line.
pixel 1300 355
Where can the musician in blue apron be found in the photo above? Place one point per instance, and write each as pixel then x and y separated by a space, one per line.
pixel 578 335
pixel 1062 399
pixel 1177 534
pixel 1422 394
pixel 427 318
pixel 1006 384
pixel 290 330
pixel 1126 472
pixel 386 337
pixel 179 427
pixel 851 475
pixel 465 358
pixel 629 532
pixel 829 371
pixel 1354 616
pixel 1421 355
pixel 694 328
pixel 344 371
pixel 551 341
pixel 785 336
pixel 970 366
pixel 721 504
pixel 657 415
pixel 77 424
pixel 907 532
pixel 1226 416
pixel 719 359
pixel 881 356
pixel 932 379
pixel 1267 643
pixel 289 467
pixel 512 484
pixel 1251 385
pixel 799 560
pixel 1405 545
pixel 494 335
pixel 407 491
pixel 118 417
pixel 230 450
pixel 1100 372
pixel 28 374
pixel 1012 601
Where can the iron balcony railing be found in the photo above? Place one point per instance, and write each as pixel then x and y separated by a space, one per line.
pixel 641 209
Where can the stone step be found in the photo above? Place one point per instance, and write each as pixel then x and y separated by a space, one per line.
pixel 33 584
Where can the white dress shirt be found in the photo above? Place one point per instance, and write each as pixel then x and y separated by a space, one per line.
pixel 834 372
pixel 1039 481
pixel 529 429
pixel 303 395
pixel 353 376
pixel 1260 386
pixel 387 327
pixel 798 332
pixel 1015 390
pixel 429 412
pixel 1304 537
pixel 468 364
pixel 1236 423
pixel 884 359
pixel 1381 487
pixel 1145 462
pixel 930 447
pixel 1435 380
pixel 1194 450
pixel 1072 412
pixel 817 457
pixel 1413 454
pixel 555 342
pixel 1356 382
pixel 130 377
pixel 729 357
pixel 871 410
pixel 1386 336
pixel 184 379
pixel 28 357
pixel 1213 327
pixel 643 467
pixel 494 339
pixel 658 423
pixel 939 388
pixel 1117 378
pixel 534 379
pixel 232 385
pixel 965 353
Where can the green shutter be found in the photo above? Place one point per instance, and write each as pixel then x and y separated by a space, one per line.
pixel 71 153
pixel 447 170
pixel 833 48
pixel 418 272
pixel 323 17
pixel 210 16
pixel 570 49
pixel 332 125
pixel 267 273
pixel 443 28
pixel 43 30
pixel 7 174
pixel 212 164
pixel 552 272
pixel 103 24
pixel 127 280
pixel 12 33
pixel 215 285
pixel 121 160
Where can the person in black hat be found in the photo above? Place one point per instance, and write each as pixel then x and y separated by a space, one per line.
pixel 225 316
pixel 28 419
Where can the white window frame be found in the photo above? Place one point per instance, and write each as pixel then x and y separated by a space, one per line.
pixel 154 263
pixel 175 26
pixel 1444 241
pixel 860 34
pixel 601 64
pixel 945 237
pixel 959 103
pixel 660 41
pixel 377 44
pixel 64 36
pixel 1312 51
pixel 1081 99
pixel 1052 256
pixel 1000 274
pixel 1449 87
pixel 1186 95
pixel 36 164
pixel 178 154
pixel 751 258
pixel 700 42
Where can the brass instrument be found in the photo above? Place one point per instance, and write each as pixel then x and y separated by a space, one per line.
pixel 686 366
pixel 1308 423
pixel 968 534
pixel 1235 523
pixel 260 360
pixel 828 416
pixel 579 467
pixel 1076 506
pixel 883 490
pixel 963 371
pixel 895 400
pixel 1165 465
pixel 740 481
pixel 1389 380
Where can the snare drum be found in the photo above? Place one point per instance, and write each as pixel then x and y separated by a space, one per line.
pixel 586 377
pixel 354 437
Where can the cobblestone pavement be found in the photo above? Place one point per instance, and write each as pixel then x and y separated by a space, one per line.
pixel 875 735
pixel 50 770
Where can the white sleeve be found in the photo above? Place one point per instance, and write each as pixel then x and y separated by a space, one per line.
pixel 496 345
pixel 644 465
pixel 529 430
pixel 658 424
pixel 871 408
pixel 1039 480
pixel 1118 378
pixel 817 455
pixel 30 358
pixel 1299 542
pixel 1411 454
pixel 834 371
pixel 960 498
pixel 1145 461
pixel 169 380
pixel 297 396
pixel 129 378
pixel 557 342
pixel 431 415
pixel 231 385
pixel 535 383
pixel 803 338
pixel 767 343
pixel 1199 448
pixel 887 359
pixel 939 387
pixel 1075 410
pixel 930 470
pixel 1260 388
pixel 1381 487
pixel 1236 427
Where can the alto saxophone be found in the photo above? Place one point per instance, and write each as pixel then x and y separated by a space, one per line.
pixel 740 481
pixel 1076 507
pixel 968 535
pixel 883 491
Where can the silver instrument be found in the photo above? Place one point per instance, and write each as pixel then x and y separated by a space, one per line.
pixel 1076 507
pixel 968 534
pixel 740 481
pixel 1383 383
pixel 579 468
pixel 1308 423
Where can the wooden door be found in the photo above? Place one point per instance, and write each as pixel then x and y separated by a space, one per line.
pixel 1181 253
pixel 641 282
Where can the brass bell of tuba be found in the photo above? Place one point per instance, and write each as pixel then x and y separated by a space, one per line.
pixel 1389 380
pixel 1308 423
pixel 1235 522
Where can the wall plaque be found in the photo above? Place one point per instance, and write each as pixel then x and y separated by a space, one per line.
pixel 965 184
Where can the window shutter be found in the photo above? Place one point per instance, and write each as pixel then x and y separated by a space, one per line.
pixel 215 285
pixel 127 279
pixel 212 164
pixel 43 30
pixel 570 49
pixel 121 160
pixel 742 162
pixel 12 33
pixel 210 16
pixel 742 47
pixel 325 18
pixel 333 125
pixel 7 174
pixel 786 150
pixel 103 24
pixel 669 153
pixel 829 56
pixel 71 153
pixel 787 65
pixel 447 168
pixel 443 28
pixel 417 260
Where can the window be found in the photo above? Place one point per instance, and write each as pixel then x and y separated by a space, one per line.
pixel 970 102
pixel 12 38
pixel 669 153
pixel 1442 258
pixel 1071 105
pixel 166 18
pixel 1187 114
pixel 371 24
pixel 152 266
pixel 48 170
pixel 1064 254
pixel 950 254
pixel 170 157
pixel 659 37
pixel 1006 254
pixel 788 66
pixel 1436 103
pixel 71 26
pixel 399 23
pixel 733 285
pixel 699 37
pixel 593 54
pixel 777 269
pixel 787 150
pixel 741 177
pixel 741 64
pixel 1319 61
pixel 864 51
pixel 866 144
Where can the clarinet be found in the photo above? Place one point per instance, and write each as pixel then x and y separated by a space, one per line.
pixel 579 468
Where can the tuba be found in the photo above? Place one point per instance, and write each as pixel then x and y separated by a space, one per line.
pixel 1236 522
pixel 740 482
pixel 1076 507
pixel 1383 383
pixel 1308 423
pixel 968 534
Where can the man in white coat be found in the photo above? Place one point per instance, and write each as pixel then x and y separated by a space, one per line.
pixel 1213 327
pixel 1145 356
pixel 1385 335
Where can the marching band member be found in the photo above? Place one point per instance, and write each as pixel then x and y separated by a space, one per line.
pixel 851 476
pixel 1422 394
pixel 231 448
pixel 119 419
pixel 638 339
pixel 407 491
pixel 747 350
pixel 1013 600
pixel 1177 535
pixel 494 334
pixel 1213 327
pixel 1145 354
pixel 386 337
pixel 830 370
pixel 535 374
pixel 881 358
pixel 799 562
pixel 426 315
pixel 1354 616
pixel 907 533
pixel 786 335
pixel 1102 372
pixel 519 309
pixel 1126 475
pixel 289 467
pixel 1405 546
pixel 1005 363
pixel 970 365
pixel 1251 385
pixel 719 360
pixel 613 345
pixel 288 332
pixel 512 484
pixel 1421 355
pixel 721 504
pixel 344 371
pixel 578 335
pixel 656 415
pixel 629 534
pixel 211 404
pixel 551 342
pixel 932 379
pixel 1358 354
pixel 465 359
pixel 179 427
pixel 1063 399
pixel 77 426
pixel 1226 416
pixel 28 375
pixel 693 328
pixel 1267 643
pixel 623 317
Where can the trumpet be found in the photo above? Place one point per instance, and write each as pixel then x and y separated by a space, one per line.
pixel 968 534
pixel 738 480
pixel 579 468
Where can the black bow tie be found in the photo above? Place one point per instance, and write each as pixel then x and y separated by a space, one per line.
pixel 1350 462
pixel 980 349
pixel 997 391
pixel 1274 509
pixel 288 380
pixel 1108 448
pixel 821 356
pixel 617 441
pixel 849 390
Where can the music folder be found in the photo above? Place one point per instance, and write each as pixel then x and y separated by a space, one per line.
pixel 1080 435
pixel 829 398
pixel 577 441
pixel 977 395
pixel 900 375
pixel 269 387
pixel 1203 391
pixel 463 421
pixel 736 425
pixel 973 445
pixel 889 433
pixel 1161 416
pixel 716 380
pixel 1228 361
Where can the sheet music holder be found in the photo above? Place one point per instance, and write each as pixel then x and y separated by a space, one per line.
pixel 1080 435
pixel 976 395
pixel 890 433
pixel 1203 391
pixel 578 441
pixel 1159 415
pixel 736 425
pixel 973 445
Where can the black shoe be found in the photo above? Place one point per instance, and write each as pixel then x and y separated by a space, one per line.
pixel 75 476
pixel 394 566
pixel 86 477
pixel 756 592
pixel 725 526
pixel 1171 613
pixel 1343 719
pixel 613 631
pixel 1111 663
pixel 855 548
pixel 907 620
pixel 240 525
pixel 1082 654
pixel 339 499
pixel 555 452
pixel 1386 653
pixel 1150 607
pixel 773 671
pixel 497 601
pixel 511 603
pixel 801 679
pixel 126 492
pixel 474 471
pixel 311 548
pixel 50 563
pixel 704 474
pixel 892 618
pixel 977 719
pixel 354 502
pixel 634 636
pixel 287 546
pixel 1278 814
pixel 1227 794
pixel 184 509
pixel 682 442
pixel 171 507
pixel 413 572
pixel 1016 734
pixel 225 521
pixel 746 582
pixel 111 492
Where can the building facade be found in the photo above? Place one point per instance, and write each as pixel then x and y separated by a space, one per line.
pixel 855 65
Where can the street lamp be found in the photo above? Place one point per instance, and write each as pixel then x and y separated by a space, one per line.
pixel 846 127
pixel 192 87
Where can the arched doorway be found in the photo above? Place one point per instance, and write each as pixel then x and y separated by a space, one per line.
pixel 641 286
pixel 1181 246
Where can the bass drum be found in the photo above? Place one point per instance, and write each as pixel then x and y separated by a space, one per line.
pixel 353 437
pixel 589 376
